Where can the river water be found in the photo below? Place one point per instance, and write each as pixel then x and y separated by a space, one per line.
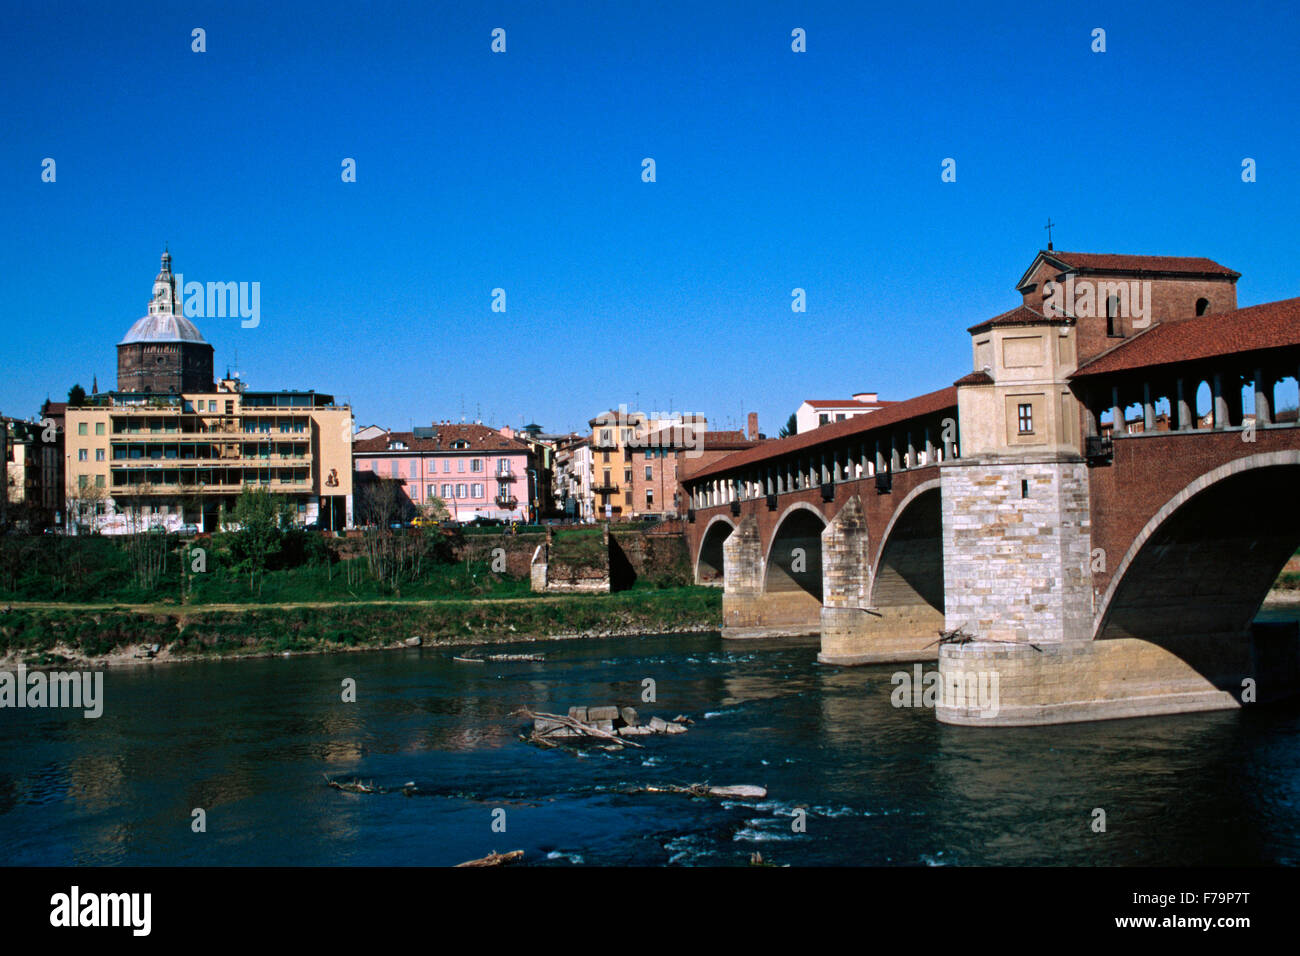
pixel 251 741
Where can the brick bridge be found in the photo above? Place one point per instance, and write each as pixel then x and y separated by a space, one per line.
pixel 1096 571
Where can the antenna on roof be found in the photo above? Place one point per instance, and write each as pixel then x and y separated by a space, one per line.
pixel 1048 227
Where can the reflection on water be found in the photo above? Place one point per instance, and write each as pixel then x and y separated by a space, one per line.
pixel 251 741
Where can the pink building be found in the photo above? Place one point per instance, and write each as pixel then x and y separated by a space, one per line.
pixel 475 470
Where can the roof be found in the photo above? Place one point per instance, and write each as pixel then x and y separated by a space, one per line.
pixel 1020 315
pixel 1124 263
pixel 480 438
pixel 896 412
pixel 844 403
pixel 162 327
pixel 1255 328
pixel 975 378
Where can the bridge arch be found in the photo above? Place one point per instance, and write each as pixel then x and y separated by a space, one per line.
pixel 908 569
pixel 708 561
pixel 793 562
pixel 1205 561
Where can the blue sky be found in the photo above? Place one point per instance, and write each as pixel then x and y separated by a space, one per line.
pixel 522 170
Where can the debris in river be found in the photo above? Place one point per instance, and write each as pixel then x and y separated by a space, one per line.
pixel 495 859
pixel 743 791
pixel 616 724
pixel 356 786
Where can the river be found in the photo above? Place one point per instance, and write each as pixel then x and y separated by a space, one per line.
pixel 250 742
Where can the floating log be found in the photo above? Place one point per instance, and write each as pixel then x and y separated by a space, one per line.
pixel 494 859
pixel 742 791
pixel 470 660
pixel 354 786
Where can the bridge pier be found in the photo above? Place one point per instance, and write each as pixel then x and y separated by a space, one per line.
pixel 748 610
pixel 852 630
pixel 1018 586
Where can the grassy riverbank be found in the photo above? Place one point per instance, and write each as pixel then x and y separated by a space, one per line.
pixel 51 633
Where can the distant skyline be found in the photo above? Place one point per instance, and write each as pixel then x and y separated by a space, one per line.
pixel 522 171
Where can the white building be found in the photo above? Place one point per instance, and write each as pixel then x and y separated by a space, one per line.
pixel 816 412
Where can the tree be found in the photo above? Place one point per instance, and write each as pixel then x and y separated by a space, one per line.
pixel 262 519
pixel 791 427
pixel 436 509
pixel 76 396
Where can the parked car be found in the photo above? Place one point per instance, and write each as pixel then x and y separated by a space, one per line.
pixel 189 530
pixel 483 521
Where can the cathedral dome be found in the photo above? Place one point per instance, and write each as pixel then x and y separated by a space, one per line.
pixel 162 327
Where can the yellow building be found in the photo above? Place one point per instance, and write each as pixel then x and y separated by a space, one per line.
pixel 143 456
pixel 173 460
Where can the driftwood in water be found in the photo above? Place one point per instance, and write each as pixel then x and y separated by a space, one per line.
pixel 356 786
pixel 743 791
pixel 585 730
pixel 495 859
pixel 470 660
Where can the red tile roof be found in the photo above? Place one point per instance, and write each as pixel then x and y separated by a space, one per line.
pixel 1020 315
pixel 1114 262
pixel 858 425
pixel 1268 326
pixel 975 378
pixel 480 438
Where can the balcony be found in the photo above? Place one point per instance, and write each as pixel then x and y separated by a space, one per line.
pixel 506 476
pixel 506 501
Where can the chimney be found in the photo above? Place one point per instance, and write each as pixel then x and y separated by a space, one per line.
pixel 752 431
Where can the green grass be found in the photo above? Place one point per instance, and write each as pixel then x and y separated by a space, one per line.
pixel 255 630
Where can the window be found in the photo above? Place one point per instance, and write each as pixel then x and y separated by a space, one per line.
pixel 649 472
pixel 649 497
pixel 446 491
pixel 460 464
pixel 392 469
pixel 627 476
pixel 99 481
pixel 446 465
pixel 230 408
pixel 1202 306
pixel 476 464
pixel 82 454
pixel 433 491
pixel 1112 313
pixel 414 471
pixel 81 428
pixel 627 498
pixel 476 491
pixel 460 491
pixel 82 481
pixel 99 454
pixel 1026 417
pixel 839 416
pixel 823 419
pixel 604 454
pixel 99 428
pixel 606 436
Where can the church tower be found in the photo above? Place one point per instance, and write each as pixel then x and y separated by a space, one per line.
pixel 163 352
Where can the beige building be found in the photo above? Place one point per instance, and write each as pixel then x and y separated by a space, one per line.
pixel 142 457
pixel 172 460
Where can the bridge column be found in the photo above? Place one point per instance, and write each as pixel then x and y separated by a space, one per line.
pixel 1017 582
pixel 846 586
pixel 742 579
pixel 1182 407
pixel 1263 397
pixel 1220 403
pixel 1116 413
